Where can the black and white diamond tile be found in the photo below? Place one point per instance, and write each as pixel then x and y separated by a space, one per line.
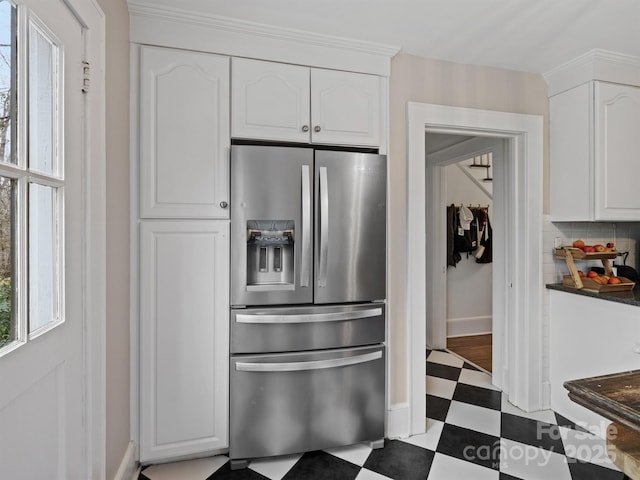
pixel 472 432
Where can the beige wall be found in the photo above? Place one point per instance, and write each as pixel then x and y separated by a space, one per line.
pixel 117 329
pixel 415 79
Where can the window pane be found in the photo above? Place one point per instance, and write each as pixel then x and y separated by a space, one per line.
pixel 42 256
pixel 41 101
pixel 7 80
pixel 7 235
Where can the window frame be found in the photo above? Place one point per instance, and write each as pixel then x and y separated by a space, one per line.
pixel 19 169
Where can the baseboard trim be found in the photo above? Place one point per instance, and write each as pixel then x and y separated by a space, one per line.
pixel 398 421
pixel 128 469
pixel 466 326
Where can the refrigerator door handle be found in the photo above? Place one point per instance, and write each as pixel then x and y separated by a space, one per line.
pixel 305 268
pixel 312 365
pixel 324 227
pixel 309 318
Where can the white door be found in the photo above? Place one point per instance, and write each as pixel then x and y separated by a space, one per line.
pixel 617 144
pixel 41 355
pixel 184 134
pixel 184 338
pixel 345 108
pixel 269 101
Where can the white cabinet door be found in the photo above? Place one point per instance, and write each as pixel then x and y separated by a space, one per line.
pixel 184 337
pixel 345 108
pixel 270 101
pixel 184 134
pixel 594 143
pixel 571 176
pixel 617 152
pixel 274 101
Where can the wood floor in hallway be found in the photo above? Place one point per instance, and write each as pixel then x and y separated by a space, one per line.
pixel 476 349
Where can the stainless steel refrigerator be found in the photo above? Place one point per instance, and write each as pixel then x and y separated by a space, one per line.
pixel 308 283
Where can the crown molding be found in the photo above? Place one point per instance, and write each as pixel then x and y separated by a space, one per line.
pixel 145 9
pixel 596 64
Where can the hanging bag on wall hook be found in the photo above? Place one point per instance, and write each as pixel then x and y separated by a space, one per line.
pixel 479 251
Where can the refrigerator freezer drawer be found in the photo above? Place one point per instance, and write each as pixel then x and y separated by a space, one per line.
pixel 297 402
pixel 262 330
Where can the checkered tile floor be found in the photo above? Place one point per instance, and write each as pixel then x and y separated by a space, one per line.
pixel 472 433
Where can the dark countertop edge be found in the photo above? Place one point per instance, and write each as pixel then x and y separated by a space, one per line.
pixel 594 393
pixel 631 297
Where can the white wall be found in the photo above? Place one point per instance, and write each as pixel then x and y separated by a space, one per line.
pixel 469 284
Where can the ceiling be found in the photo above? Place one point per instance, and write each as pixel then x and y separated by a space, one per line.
pixel 526 35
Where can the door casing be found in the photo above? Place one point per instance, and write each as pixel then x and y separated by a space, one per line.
pixel 523 354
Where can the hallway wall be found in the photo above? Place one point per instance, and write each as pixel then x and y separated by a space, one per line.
pixel 469 284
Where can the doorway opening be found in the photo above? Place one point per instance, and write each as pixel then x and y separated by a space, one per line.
pixel 467 165
pixel 518 277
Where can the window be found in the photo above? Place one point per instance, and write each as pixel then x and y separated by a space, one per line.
pixel 31 178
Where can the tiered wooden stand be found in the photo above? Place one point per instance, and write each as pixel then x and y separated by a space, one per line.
pixel 576 281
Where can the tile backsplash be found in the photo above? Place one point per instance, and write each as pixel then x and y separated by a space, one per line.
pixel 626 237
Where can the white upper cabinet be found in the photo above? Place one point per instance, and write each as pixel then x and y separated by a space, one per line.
pixel 272 101
pixel 345 108
pixel 184 134
pixel 617 152
pixel 594 147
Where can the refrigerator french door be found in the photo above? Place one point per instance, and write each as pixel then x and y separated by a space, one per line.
pixel 308 282
pixel 308 226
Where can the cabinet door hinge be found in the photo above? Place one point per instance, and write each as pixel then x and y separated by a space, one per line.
pixel 86 72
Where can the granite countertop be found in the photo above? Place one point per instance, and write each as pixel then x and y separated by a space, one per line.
pixel 631 297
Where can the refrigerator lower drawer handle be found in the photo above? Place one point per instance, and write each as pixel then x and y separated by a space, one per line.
pixel 309 318
pixel 312 365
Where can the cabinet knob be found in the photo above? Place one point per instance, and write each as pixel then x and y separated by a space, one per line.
pixel 305 128
pixel 317 128
pixel 224 204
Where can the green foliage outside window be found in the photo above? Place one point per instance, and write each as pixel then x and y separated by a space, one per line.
pixel 6 334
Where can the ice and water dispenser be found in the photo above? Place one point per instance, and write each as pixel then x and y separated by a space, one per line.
pixel 270 255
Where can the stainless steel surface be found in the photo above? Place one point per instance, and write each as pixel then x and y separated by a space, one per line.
pixel 308 365
pixel 317 128
pixel 305 128
pixel 306 328
pixel 323 229
pixel 282 412
pixel 309 318
pixel 306 377
pixel 266 186
pixel 224 204
pixel 305 272
pixel 356 223
pixel 349 252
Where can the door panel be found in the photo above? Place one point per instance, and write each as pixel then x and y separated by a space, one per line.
pixel 184 338
pixel 617 146
pixel 43 386
pixel 271 191
pixel 184 133
pixel 345 108
pixel 350 246
pixel 269 101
